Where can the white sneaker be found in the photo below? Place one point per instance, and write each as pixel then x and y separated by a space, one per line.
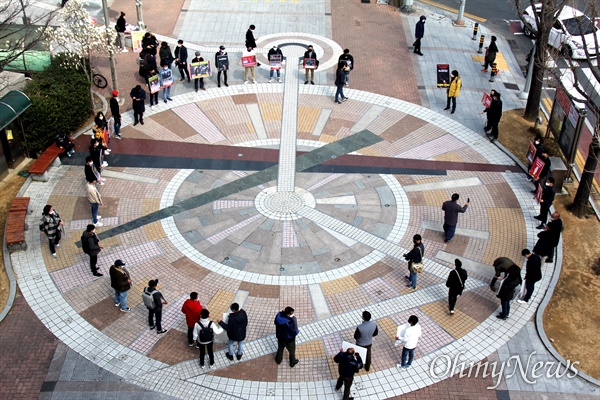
pixel 213 367
pixel 104 164
pixel 102 183
pixel 254 82
pixel 279 80
pixel 245 82
pixel 521 301
pixel 271 80
pixel 54 255
pixel 57 246
pixel 124 51
pixel 107 151
pixel 99 224
pixel 98 216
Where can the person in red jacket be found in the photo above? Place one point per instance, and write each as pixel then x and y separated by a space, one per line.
pixel 191 308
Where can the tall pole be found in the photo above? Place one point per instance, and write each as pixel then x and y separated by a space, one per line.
pixel 111 56
pixel 525 93
pixel 140 16
pixel 460 20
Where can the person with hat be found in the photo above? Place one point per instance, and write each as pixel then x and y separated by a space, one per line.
pixel 419 33
pixel 155 314
pixel 198 81
pixel 116 113
pixel 120 280
pixel 222 66
pixel 455 284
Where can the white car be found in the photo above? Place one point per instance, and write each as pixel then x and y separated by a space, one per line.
pixel 568 33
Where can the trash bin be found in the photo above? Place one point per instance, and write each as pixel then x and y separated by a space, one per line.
pixel 128 41
pixel 559 172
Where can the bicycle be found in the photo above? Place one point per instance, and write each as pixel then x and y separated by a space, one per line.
pixel 99 80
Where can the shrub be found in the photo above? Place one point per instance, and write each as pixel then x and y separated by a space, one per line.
pixel 60 102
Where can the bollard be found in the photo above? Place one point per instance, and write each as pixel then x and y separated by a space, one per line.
pixel 494 72
pixel 481 40
pixel 475 29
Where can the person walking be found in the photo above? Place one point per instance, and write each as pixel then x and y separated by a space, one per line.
pixel 138 97
pixel 275 52
pixel 554 227
pixel 415 256
pixel 494 113
pixel 490 54
pixel 165 74
pixel 198 82
pixel 91 246
pixel 191 308
pixel 236 330
pixel 533 273
pixel 311 54
pixel 455 284
pixel 548 194
pixel 506 292
pixel 95 200
pixel 250 39
pixel 419 33
pixel 51 225
pixel 349 363
pixel 120 280
pixel 181 56
pixel 222 67
pixel 340 80
pixel 165 54
pixel 348 62
pixel 116 113
pixel 249 52
pixel 453 91
pixel 154 300
pixel 120 28
pixel 204 335
pixel 451 209
pixel 63 141
pixel 408 335
pixel 501 266
pixel 286 330
pixel 364 335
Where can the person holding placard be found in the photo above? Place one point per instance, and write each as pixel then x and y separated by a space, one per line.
pixel 348 60
pixel 275 57
pixel 165 77
pixel 222 63
pixel 349 363
pixel 249 62
pixel 198 82
pixel 310 64
pixel 408 335
pixel 235 325
pixel 494 114
pixel 154 87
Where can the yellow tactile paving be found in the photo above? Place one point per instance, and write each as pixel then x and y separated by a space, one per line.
pixel 389 328
pixel 457 324
pixel 370 151
pixel 314 349
pixel 435 198
pixel 450 156
pixel 333 367
pixel 327 138
pixel 339 285
pixel 154 231
pixel 250 127
pixel 220 303
pixel 137 288
pixel 307 118
pixel 500 61
pixel 270 111
pixel 150 205
pixel 426 180
pixel 507 234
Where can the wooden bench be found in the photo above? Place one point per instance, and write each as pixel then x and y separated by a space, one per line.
pixel 39 169
pixel 16 224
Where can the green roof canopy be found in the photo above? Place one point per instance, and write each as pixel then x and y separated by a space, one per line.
pixel 11 106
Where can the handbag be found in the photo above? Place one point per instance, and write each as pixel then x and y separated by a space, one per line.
pixel 417 268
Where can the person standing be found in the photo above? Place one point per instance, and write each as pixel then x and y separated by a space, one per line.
pixel 273 52
pixel 116 113
pixel 548 194
pixel 349 363
pixel 494 113
pixel 408 335
pixel 191 308
pixel 165 74
pixel 154 312
pixel 310 53
pixel 554 227
pixel 451 210
pixel 165 54
pixel 453 91
pixel 490 54
pixel 455 284
pixel 51 226
pixel 286 330
pixel 153 96
pixel 138 97
pixel 250 39
pixel 538 142
pixel 533 273
pixel 501 266
pixel 181 56
pixel 204 334
pixel 236 330
pixel 120 28
pixel 198 82
pixel 149 44
pixel 364 334
pixel 95 201
pixel 340 78
pixel 120 280
pixel 545 171
pixel 91 246
pixel 221 67
pixel 419 33
pixel 91 173
pixel 249 52
pixel 348 60
pixel 506 292
pixel 415 256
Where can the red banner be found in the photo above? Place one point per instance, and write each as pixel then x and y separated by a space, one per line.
pixel 486 100
pixel 531 152
pixel 536 169
pixel 249 61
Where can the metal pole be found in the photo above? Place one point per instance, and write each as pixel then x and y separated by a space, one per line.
pixel 525 93
pixel 140 17
pixel 111 57
pixel 460 20
pixel 573 152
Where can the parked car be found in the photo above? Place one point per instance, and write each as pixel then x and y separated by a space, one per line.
pixel 568 32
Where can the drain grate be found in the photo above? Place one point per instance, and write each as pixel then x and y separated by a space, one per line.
pixel 511 86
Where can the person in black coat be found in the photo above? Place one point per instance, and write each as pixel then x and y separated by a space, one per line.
pixel 222 68
pixel 93 245
pixel 311 54
pixel 149 44
pixel 275 51
pixel 554 227
pixel 138 97
pixel 250 39
pixel 414 256
pixel 494 113
pixel 533 273
pixel 181 57
pixel 97 153
pixel 507 290
pixel 340 80
pixel 419 33
pixel 347 59
pixel 545 172
pixel 548 194
pixel 120 27
pixel 349 364
pixel 63 141
pixel 165 54
pixel 490 54
pixel 236 330
pixel 455 284
pixel 538 142
pixel 91 173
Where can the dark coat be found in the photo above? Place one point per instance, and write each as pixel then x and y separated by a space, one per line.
pixel 548 194
pixel 152 42
pixel 508 285
pixel 217 54
pixel 349 364
pixel 273 52
pixel 120 26
pixel 340 78
pixel 555 228
pixel 286 328
pixel 454 283
pixel 91 173
pixel 119 280
pixel 182 54
pixel 420 28
pixel 165 54
pixel 96 154
pixel 345 58
pixel 494 111
pixel 138 105
pixel 490 54
pixel 93 243
pixel 415 255
pixel 236 327
pixel 533 271
pixel 250 40
pixel 546 169
pixel 114 109
pixel 544 246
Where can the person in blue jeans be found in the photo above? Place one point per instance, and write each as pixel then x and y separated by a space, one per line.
pixel 236 330
pixel 120 281
pixel 340 81
pixel 414 256
pixel 408 335
pixel 166 74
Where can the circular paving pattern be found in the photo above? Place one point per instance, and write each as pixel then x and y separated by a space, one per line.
pixel 283 206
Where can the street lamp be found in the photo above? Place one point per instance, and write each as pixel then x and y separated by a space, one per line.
pixel 460 20
pixel 111 57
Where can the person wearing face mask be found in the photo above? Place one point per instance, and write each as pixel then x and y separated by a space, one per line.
pixel 545 172
pixel 90 245
pixel 198 82
pixel 275 51
pixel 116 113
pixel 538 142
pixel 51 226
pixel 453 91
pixel 153 96
pixel 548 194
pixel 419 33
pixel 494 113
pixel 554 229
pixel 348 62
pixel 165 54
pixel 249 52
pixel 181 56
pixel 286 330
pixel 222 63
pixel 100 120
pixel 165 74
pixel 91 173
pixel 414 256
pixel 310 53
pixel 138 97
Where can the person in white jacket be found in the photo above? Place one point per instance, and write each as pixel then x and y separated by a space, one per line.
pixel 204 336
pixel 408 334
pixel 249 52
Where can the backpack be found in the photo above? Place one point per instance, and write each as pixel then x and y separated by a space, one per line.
pixel 206 334
pixel 85 246
pixel 148 299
